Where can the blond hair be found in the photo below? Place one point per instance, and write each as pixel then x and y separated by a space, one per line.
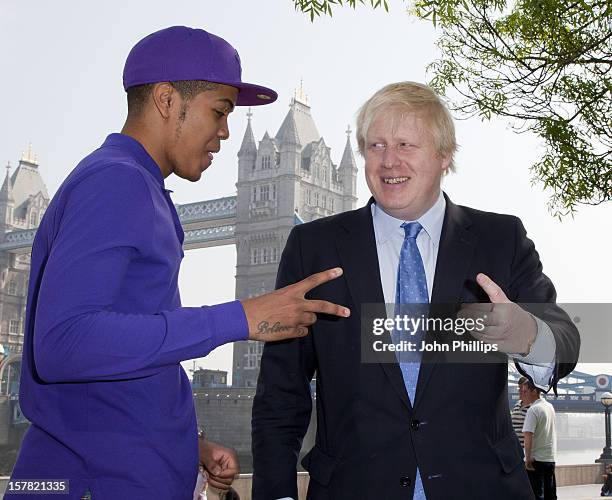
pixel 411 97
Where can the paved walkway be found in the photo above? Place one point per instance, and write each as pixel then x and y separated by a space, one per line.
pixel 583 492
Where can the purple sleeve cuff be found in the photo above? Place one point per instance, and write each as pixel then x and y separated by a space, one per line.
pixel 230 323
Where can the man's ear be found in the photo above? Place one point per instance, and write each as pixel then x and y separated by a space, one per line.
pixel 165 98
pixel 446 162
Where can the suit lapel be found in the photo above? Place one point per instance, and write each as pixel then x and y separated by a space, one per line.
pixel 454 255
pixel 452 265
pixel 357 250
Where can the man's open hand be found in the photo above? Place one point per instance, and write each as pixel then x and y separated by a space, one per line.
pixel 506 324
pixel 285 313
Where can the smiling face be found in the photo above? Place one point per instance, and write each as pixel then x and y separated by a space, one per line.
pixel 198 126
pixel 403 168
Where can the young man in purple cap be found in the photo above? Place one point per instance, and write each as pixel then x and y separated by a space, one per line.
pixel 111 408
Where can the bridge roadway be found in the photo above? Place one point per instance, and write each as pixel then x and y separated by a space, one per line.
pixel 569 403
pixel 206 223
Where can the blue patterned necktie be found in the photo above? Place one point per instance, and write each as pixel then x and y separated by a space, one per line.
pixel 411 289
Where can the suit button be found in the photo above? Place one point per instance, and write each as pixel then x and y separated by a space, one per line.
pixel 405 481
pixel 415 424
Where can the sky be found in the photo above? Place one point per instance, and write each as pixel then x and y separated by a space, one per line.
pixel 62 63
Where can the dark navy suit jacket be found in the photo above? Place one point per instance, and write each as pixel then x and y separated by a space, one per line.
pixel 369 436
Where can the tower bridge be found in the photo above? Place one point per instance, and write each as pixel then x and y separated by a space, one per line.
pixel 206 223
pixel 579 392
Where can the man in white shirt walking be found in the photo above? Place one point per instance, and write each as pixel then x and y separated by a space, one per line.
pixel 540 443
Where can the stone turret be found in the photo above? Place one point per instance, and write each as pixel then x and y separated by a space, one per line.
pixel 247 155
pixel 347 173
pixel 29 192
pixel 289 142
pixel 7 203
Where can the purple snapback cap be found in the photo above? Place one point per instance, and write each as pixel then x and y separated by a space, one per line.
pixel 182 53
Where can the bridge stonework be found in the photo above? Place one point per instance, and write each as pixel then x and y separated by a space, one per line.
pixel 23 201
pixel 225 415
pixel 282 181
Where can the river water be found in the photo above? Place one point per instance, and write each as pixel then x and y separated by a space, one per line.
pixel 580 437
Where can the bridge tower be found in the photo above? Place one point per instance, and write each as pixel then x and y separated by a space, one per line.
pixel 286 179
pixel 23 201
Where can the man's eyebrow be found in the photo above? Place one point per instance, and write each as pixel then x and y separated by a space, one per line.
pixel 229 103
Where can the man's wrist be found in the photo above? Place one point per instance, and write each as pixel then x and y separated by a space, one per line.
pixel 532 340
pixel 542 351
pixel 529 345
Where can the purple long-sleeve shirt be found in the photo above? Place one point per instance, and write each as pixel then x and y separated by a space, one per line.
pixel 111 408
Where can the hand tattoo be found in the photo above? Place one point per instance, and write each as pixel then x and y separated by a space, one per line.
pixel 264 327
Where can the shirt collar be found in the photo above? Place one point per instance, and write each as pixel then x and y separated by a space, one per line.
pixel 385 225
pixel 137 151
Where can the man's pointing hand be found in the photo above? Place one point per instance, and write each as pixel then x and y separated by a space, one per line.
pixel 506 324
pixel 285 313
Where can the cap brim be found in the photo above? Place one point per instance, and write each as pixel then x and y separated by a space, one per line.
pixel 252 95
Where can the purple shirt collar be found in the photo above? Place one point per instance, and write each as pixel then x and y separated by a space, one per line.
pixel 137 150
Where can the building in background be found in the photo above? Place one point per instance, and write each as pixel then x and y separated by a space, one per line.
pixel 286 179
pixel 23 201
pixel 208 379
